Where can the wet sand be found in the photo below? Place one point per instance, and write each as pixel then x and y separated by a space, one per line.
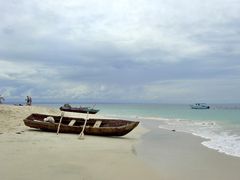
pixel 177 155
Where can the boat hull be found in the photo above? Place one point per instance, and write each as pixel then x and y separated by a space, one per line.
pixel 200 106
pixel 79 110
pixel 107 128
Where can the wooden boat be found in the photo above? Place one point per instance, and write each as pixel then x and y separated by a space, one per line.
pixel 80 109
pixel 99 127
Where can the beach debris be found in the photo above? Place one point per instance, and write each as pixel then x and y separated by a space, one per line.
pixel 49 119
pixel 173 130
pixel 134 150
pixel 18 132
pixel 18 104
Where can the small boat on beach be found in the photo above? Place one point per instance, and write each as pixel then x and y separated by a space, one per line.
pixel 67 107
pixel 98 127
pixel 200 106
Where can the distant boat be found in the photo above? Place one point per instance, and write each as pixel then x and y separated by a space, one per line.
pixel 67 107
pixel 200 106
pixel 98 127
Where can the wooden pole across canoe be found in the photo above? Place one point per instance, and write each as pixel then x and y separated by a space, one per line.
pixel 62 114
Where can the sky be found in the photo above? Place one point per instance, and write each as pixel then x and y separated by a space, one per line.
pixel 146 51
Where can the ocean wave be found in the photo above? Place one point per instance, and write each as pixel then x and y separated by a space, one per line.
pixel 217 136
pixel 224 143
pixel 155 118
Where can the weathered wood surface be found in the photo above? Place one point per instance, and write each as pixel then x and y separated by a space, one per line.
pixel 108 127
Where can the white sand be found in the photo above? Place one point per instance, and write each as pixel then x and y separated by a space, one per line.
pixel 30 154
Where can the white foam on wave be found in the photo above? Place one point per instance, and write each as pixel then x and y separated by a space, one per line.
pixel 138 117
pixel 216 136
pixel 224 143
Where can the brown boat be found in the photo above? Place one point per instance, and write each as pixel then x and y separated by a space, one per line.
pixel 99 127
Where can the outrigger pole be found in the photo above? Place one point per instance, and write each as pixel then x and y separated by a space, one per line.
pixel 62 114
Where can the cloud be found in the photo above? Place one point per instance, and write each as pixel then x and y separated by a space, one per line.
pixel 109 50
pixel 200 90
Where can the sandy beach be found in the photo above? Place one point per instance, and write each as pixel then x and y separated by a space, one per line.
pixel 31 154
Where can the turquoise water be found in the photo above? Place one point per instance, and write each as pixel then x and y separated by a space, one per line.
pixel 220 124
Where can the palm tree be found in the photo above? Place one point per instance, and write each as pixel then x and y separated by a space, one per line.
pixel 1 99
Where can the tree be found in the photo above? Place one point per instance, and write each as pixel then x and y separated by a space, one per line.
pixel 1 99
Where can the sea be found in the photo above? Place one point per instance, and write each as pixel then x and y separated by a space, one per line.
pixel 219 125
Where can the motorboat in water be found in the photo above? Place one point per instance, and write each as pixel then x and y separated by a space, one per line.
pixel 200 106
pixel 67 107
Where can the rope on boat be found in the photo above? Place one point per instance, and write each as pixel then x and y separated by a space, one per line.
pixel 81 135
pixel 62 114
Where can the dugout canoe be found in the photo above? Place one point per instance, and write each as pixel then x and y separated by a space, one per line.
pixel 98 127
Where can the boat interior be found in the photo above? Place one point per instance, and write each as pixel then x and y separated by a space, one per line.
pixel 71 121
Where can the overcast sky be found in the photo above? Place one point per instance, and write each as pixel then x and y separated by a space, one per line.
pixel 163 51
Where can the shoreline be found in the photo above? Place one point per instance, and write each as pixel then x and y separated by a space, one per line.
pixel 204 142
pixel 179 155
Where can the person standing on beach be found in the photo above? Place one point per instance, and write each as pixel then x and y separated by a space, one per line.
pixel 29 101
